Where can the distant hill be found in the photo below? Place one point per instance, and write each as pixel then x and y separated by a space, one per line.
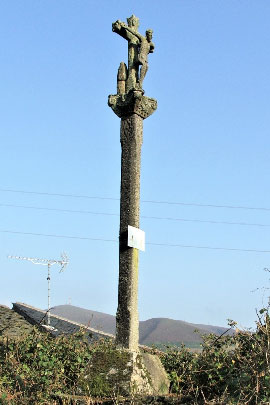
pixel 94 319
pixel 155 330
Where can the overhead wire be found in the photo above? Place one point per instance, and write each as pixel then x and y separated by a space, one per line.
pixel 148 243
pixel 57 236
pixel 58 209
pixel 59 195
pixel 146 217
pixel 142 216
pixel 243 207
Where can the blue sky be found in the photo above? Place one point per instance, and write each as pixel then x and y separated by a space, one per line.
pixel 207 144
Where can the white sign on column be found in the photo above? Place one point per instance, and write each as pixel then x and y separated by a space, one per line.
pixel 136 238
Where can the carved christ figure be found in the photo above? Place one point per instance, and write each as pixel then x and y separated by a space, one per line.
pixel 138 49
pixel 146 46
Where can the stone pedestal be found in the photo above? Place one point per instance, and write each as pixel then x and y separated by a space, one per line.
pixel 126 373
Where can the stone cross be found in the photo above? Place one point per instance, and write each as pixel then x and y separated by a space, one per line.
pixel 138 49
pixel 132 107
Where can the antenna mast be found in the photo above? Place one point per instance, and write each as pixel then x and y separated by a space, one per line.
pixel 47 262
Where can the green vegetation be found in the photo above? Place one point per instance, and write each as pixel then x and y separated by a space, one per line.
pixel 40 369
pixel 228 370
pixel 35 368
pixel 164 346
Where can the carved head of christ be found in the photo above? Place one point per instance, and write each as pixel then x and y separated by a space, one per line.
pixel 149 35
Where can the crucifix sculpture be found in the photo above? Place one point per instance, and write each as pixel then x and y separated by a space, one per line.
pixel 138 49
pixel 132 107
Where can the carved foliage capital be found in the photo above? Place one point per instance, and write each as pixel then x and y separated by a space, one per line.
pixel 132 103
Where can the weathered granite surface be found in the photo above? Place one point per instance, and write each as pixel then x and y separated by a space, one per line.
pixel 147 373
pixel 132 107
pixel 134 102
pixel 127 321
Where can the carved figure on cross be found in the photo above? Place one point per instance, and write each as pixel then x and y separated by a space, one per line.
pixel 138 49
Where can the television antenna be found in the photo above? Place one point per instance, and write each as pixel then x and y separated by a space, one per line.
pixel 47 262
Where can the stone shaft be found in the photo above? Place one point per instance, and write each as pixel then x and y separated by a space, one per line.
pixel 127 322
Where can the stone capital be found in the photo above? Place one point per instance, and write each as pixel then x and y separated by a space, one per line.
pixel 134 102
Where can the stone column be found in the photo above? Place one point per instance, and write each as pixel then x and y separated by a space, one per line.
pixel 127 322
pixel 132 108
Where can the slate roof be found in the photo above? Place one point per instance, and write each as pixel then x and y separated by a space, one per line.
pixel 62 325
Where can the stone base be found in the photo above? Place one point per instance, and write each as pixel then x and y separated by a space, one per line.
pixel 147 376
pixel 123 372
pixel 159 382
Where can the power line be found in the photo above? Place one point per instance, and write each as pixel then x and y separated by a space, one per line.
pixel 59 210
pixel 208 247
pixel 207 221
pixel 142 216
pixel 242 207
pixel 149 243
pixel 58 236
pixel 60 195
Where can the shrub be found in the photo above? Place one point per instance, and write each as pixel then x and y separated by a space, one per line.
pixel 37 365
pixel 230 368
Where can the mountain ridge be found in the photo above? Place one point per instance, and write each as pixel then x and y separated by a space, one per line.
pixel 153 330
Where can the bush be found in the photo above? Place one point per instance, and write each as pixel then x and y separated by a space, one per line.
pixel 37 368
pixel 232 369
pixel 37 365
